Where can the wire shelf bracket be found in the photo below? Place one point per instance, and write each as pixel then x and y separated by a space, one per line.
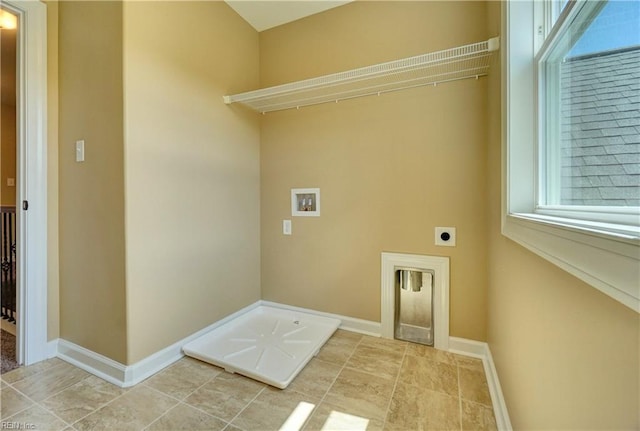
pixel 468 61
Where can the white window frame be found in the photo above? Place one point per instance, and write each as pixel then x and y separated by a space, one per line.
pixel 604 255
pixel 549 131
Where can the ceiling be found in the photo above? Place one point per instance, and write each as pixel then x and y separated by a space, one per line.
pixel 265 14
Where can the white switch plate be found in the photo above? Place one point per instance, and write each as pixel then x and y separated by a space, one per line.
pixel 11 182
pixel 286 227
pixel 445 236
pixel 80 151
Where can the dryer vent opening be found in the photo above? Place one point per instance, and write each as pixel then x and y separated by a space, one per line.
pixel 414 306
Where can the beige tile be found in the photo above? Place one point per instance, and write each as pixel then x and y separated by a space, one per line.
pixel 469 362
pixel 436 376
pixel 339 347
pixel 346 337
pixel 329 417
pixel 24 372
pixel 81 399
pixel 44 384
pixel 391 345
pixel 275 409
pixel 415 408
pixel 477 417
pixel 473 386
pixel 226 395
pixel 37 418
pixel 361 393
pixel 183 377
pixel 431 353
pixel 11 402
pixel 379 361
pixel 187 418
pixel 315 379
pixel 132 411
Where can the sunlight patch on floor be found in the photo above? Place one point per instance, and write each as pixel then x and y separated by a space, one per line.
pixel 297 418
pixel 345 421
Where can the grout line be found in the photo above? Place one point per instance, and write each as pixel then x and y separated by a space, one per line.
pixel 247 405
pixel 101 406
pixel 182 401
pixel 459 394
pixel 334 379
pixel 395 385
pixel 40 403
pixel 161 416
pixel 52 367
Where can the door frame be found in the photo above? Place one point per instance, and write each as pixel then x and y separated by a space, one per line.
pixel 31 133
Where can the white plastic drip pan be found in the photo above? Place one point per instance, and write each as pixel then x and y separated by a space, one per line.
pixel 268 344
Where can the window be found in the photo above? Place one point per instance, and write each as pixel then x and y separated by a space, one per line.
pixel 571 110
pixel 589 114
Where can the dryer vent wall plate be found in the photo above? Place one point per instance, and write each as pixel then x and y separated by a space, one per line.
pixel 445 236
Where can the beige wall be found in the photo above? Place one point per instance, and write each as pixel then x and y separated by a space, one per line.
pixel 568 357
pixel 192 170
pixel 91 194
pixel 7 153
pixel 53 263
pixel 390 168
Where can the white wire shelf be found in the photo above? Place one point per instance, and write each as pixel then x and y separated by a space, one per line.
pixel 468 61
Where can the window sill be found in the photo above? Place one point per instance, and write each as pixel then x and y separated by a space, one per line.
pixel 610 231
pixel 608 261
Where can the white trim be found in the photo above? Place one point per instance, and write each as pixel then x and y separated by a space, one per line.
pixel 614 273
pixel 92 362
pixel 52 348
pixel 440 266
pixel 150 365
pixel 466 347
pixel 130 375
pixel 351 324
pixel 32 179
pixel 480 350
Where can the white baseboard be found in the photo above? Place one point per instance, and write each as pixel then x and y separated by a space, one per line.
pixel 92 362
pixel 352 324
pixel 130 375
pixel 52 348
pixel 481 350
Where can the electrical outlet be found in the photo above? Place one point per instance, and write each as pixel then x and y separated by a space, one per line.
pixel 445 236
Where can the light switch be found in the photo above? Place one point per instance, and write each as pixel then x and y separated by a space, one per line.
pixel 80 151
pixel 11 182
pixel 286 227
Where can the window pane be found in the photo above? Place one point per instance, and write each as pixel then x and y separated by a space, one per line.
pixel 593 130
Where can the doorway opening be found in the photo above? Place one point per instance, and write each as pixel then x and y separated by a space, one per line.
pixel 8 195
pixel 30 177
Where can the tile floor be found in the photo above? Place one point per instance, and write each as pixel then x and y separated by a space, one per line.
pixel 356 382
